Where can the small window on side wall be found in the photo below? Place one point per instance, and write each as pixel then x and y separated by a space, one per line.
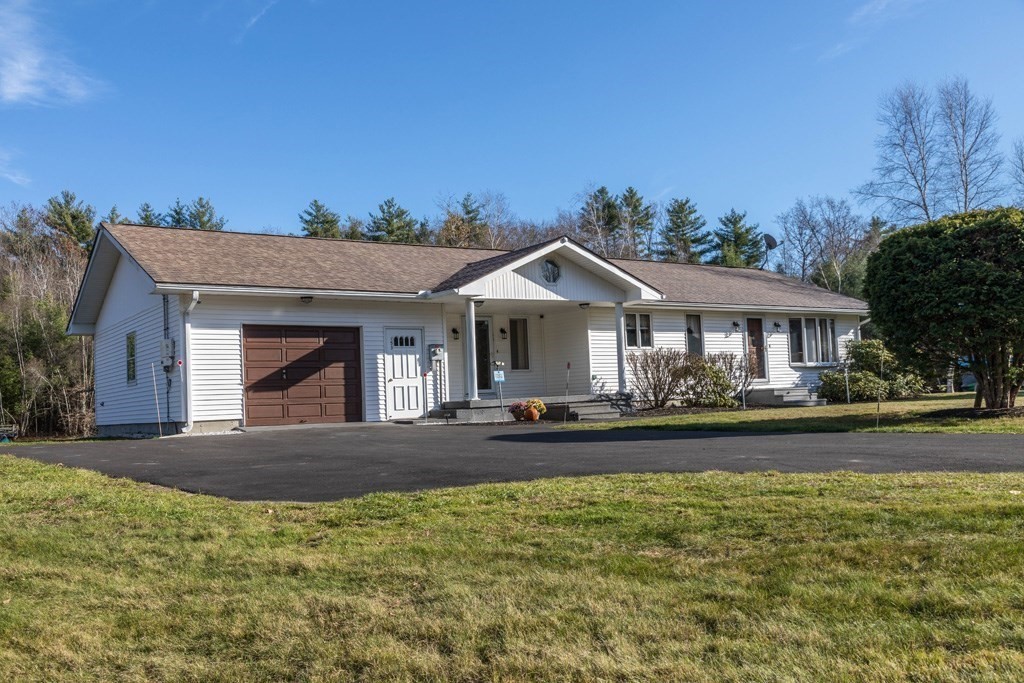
pixel 129 355
pixel 519 344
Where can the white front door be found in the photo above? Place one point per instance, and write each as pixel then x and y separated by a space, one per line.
pixel 404 372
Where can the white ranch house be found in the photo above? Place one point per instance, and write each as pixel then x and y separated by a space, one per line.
pixel 220 329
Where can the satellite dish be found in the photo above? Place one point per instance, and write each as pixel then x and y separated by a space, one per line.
pixel 770 242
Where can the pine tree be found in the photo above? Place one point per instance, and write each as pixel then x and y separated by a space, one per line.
pixel 463 224
pixel 682 239
pixel 113 217
pixel 202 216
pixel 177 215
pixel 599 221
pixel 147 215
pixel 636 219
pixel 737 244
pixel 392 224
pixel 319 221
pixel 353 228
pixel 71 218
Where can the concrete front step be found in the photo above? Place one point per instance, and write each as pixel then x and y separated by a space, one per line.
pixel 584 408
pixel 790 396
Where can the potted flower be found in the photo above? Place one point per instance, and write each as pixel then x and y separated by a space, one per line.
pixel 534 409
pixel 518 410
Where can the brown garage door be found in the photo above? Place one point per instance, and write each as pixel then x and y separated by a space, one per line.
pixel 296 375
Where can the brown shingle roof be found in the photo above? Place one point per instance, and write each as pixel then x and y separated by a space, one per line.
pixel 192 257
pixel 720 285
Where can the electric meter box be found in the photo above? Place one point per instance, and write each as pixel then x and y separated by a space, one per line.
pixel 436 352
pixel 167 353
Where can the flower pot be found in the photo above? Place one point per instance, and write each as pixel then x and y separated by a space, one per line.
pixel 531 414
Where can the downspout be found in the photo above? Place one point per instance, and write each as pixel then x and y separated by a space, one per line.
pixel 186 380
pixel 860 322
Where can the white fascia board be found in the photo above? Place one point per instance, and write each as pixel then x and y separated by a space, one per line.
pixel 165 288
pixel 754 308
pixel 103 236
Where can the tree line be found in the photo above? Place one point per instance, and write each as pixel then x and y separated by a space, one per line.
pixel 613 225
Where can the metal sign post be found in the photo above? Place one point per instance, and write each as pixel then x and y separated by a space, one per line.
pixel 499 379
pixel 565 414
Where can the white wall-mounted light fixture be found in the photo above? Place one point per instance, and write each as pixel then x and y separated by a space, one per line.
pixel 306 299
pixel 478 304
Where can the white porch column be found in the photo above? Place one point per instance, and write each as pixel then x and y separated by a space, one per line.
pixel 620 345
pixel 470 351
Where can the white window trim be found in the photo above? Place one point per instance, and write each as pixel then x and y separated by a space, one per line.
pixel 625 338
pixel 817 342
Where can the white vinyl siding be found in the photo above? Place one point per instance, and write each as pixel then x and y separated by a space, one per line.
pixel 574 284
pixel 719 336
pixel 668 328
pixel 217 345
pixel 129 308
pixel 565 342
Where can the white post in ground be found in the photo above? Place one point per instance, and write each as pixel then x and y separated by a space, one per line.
pixel 470 351
pixel 620 345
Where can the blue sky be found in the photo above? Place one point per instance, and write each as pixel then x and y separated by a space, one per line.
pixel 262 106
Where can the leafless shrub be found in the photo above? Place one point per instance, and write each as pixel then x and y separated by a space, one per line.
pixel 657 375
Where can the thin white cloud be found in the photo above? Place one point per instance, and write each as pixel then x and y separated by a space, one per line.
pixel 254 19
pixel 864 20
pixel 875 11
pixel 33 71
pixel 9 173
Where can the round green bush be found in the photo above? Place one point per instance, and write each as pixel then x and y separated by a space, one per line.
pixel 864 386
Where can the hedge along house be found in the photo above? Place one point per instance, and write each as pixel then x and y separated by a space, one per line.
pixel 219 329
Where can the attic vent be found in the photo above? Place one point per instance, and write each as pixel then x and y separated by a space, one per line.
pixel 550 271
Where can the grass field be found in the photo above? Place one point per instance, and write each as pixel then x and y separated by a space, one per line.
pixel 754 577
pixel 896 416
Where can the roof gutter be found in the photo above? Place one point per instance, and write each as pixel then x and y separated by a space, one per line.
pixel 166 288
pixel 694 305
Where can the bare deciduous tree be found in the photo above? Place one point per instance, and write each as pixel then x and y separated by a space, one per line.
pixel 905 184
pixel 1017 171
pixel 821 238
pixel 971 161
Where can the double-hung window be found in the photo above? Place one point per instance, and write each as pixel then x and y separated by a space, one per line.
pixel 813 341
pixel 638 331
pixel 519 343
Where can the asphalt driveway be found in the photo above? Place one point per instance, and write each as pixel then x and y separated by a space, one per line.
pixel 328 463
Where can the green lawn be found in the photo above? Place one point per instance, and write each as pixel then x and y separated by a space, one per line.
pixel 896 416
pixel 754 577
